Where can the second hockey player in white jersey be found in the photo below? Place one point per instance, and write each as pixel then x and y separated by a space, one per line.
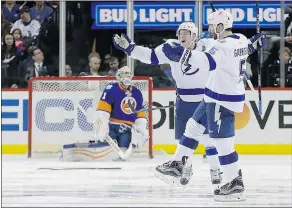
pixel 224 94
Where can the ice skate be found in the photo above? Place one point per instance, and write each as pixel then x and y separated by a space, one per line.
pixel 232 191
pixel 175 172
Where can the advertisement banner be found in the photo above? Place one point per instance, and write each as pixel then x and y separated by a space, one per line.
pixel 168 15
pixel 244 13
pixel 254 134
pixel 147 15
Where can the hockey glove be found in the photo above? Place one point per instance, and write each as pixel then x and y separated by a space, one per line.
pixel 253 42
pixel 173 53
pixel 123 43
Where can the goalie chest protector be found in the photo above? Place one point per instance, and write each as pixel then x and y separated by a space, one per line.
pixel 115 100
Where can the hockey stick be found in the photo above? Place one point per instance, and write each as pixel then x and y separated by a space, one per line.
pixel 259 59
pixel 212 6
pixel 76 168
pixel 116 148
pixel 148 109
pixel 111 142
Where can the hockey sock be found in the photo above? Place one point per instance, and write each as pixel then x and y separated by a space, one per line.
pixel 228 158
pixel 212 157
pixel 211 151
pixel 185 147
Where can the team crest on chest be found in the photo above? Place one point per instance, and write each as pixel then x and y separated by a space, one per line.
pixel 125 104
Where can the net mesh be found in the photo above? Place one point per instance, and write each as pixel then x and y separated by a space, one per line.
pixel 63 111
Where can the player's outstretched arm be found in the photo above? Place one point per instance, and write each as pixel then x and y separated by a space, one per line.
pixel 203 60
pixel 144 54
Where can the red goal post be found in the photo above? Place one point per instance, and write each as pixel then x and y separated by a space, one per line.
pixel 61 111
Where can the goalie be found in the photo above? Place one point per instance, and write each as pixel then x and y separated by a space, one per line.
pixel 116 121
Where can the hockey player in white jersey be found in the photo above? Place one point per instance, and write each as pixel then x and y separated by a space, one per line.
pixel 190 83
pixel 224 94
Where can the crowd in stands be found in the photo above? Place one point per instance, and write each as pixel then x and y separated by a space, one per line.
pixel 30 46
pixel 271 64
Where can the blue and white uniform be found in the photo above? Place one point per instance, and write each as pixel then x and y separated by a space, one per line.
pixel 190 81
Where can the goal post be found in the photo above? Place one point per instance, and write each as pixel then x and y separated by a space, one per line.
pixel 62 110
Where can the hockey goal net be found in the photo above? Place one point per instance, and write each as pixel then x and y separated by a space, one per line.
pixel 62 109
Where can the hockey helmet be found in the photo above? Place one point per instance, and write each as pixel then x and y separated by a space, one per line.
pixel 124 75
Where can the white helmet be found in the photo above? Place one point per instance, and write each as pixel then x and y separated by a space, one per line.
pixel 124 75
pixel 221 17
pixel 190 26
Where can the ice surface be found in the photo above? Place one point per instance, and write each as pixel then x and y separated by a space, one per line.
pixel 267 180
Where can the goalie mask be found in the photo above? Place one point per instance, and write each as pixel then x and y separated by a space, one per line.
pixel 187 34
pixel 219 21
pixel 124 76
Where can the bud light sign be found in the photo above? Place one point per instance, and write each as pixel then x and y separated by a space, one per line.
pixel 244 13
pixel 146 14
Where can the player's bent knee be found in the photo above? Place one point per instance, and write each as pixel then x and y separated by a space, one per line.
pixel 207 141
pixel 194 130
pixel 225 146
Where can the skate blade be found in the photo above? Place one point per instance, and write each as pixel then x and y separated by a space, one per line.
pixel 168 179
pixel 230 198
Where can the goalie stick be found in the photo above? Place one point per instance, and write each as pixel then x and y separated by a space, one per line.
pixel 113 144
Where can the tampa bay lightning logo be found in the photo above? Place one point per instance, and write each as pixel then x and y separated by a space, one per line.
pixel 125 104
pixel 188 67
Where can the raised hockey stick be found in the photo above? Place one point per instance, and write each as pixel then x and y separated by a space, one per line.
pixel 212 6
pixel 259 59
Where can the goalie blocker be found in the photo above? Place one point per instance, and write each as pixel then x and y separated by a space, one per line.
pixel 114 118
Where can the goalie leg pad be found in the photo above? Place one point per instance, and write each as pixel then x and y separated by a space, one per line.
pixel 79 152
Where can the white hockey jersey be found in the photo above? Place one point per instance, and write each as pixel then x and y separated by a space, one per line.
pixel 226 60
pixel 190 80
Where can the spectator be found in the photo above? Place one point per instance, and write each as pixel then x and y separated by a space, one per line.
pixel 274 69
pixel 10 9
pixel 287 55
pixel 5 25
pixel 18 40
pixel 123 62
pixel 34 66
pixel 9 61
pixel 27 26
pixel 8 49
pixel 114 66
pixel 94 64
pixel 40 11
pixel 68 71
pixel 105 64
